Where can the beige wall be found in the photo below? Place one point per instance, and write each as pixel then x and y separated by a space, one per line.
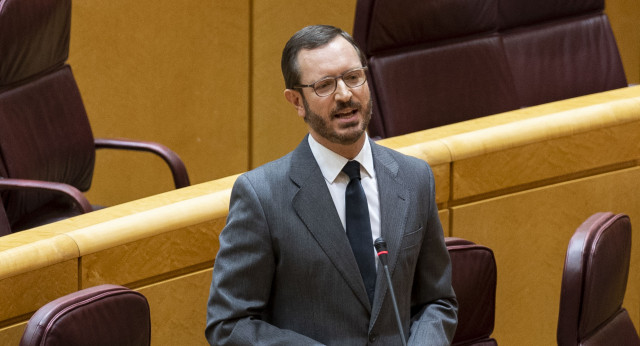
pixel 171 72
pixel 276 128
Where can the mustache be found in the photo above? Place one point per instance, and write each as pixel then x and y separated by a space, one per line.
pixel 342 105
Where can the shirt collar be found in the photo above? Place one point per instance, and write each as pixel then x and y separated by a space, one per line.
pixel 331 164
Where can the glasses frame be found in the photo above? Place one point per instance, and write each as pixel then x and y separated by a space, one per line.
pixel 335 79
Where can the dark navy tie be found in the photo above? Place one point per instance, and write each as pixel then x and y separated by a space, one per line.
pixel 359 227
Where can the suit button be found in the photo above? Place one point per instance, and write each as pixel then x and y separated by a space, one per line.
pixel 373 338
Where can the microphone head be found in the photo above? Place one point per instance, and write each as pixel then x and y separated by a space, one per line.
pixel 380 245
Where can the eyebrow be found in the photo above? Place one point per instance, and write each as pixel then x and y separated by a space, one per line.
pixel 334 76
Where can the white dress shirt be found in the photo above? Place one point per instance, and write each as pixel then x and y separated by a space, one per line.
pixel 331 165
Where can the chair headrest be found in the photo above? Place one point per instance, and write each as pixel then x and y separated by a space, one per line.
pixel 386 25
pixel 34 38
pixel 526 12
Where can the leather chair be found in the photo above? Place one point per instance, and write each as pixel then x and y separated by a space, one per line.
pixel 100 315
pixel 433 63
pixel 594 282
pixel 474 279
pixel 47 149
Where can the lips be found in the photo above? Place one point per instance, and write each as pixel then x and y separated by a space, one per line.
pixel 345 113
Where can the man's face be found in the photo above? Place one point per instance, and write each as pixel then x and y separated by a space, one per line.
pixel 343 116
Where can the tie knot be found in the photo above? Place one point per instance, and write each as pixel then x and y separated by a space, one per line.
pixel 352 169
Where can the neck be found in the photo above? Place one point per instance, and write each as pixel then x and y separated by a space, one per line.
pixel 348 151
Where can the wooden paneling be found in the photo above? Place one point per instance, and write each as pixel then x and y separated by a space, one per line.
pixel 547 159
pixel 27 292
pixel 11 335
pixel 162 254
pixel 444 220
pixel 178 309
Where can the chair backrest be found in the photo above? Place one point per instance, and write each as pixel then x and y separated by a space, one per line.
pixel 559 49
pixel 433 63
pixel 594 282
pixel 100 315
pixel 4 221
pixel 34 36
pixel 44 130
pixel 474 278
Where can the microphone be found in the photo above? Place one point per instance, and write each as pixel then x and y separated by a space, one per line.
pixel 381 249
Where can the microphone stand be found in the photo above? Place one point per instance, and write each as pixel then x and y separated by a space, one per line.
pixel 381 247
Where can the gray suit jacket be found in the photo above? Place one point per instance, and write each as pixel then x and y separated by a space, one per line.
pixel 285 273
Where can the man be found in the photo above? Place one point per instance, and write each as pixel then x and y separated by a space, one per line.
pixel 287 272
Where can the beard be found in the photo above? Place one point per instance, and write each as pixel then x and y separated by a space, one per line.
pixel 323 127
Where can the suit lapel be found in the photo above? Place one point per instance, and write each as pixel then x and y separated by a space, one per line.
pixel 393 196
pixel 314 206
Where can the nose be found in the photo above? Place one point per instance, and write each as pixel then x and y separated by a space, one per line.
pixel 343 92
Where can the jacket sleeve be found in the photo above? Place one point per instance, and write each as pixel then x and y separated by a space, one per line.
pixel 434 305
pixel 242 278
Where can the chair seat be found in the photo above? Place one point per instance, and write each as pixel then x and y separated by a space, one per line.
pixel 53 211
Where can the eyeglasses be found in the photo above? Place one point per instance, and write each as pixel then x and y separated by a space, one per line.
pixel 327 86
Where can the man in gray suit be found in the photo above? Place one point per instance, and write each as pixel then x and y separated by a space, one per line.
pixel 286 273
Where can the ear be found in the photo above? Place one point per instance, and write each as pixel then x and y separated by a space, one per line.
pixel 295 98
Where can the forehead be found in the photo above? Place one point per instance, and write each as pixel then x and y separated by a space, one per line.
pixel 332 59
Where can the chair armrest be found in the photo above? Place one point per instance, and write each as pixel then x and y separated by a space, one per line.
pixel 79 200
pixel 178 170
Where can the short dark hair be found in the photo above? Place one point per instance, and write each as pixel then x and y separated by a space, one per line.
pixel 310 37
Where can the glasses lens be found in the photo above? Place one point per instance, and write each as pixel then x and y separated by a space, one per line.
pixel 354 78
pixel 325 86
